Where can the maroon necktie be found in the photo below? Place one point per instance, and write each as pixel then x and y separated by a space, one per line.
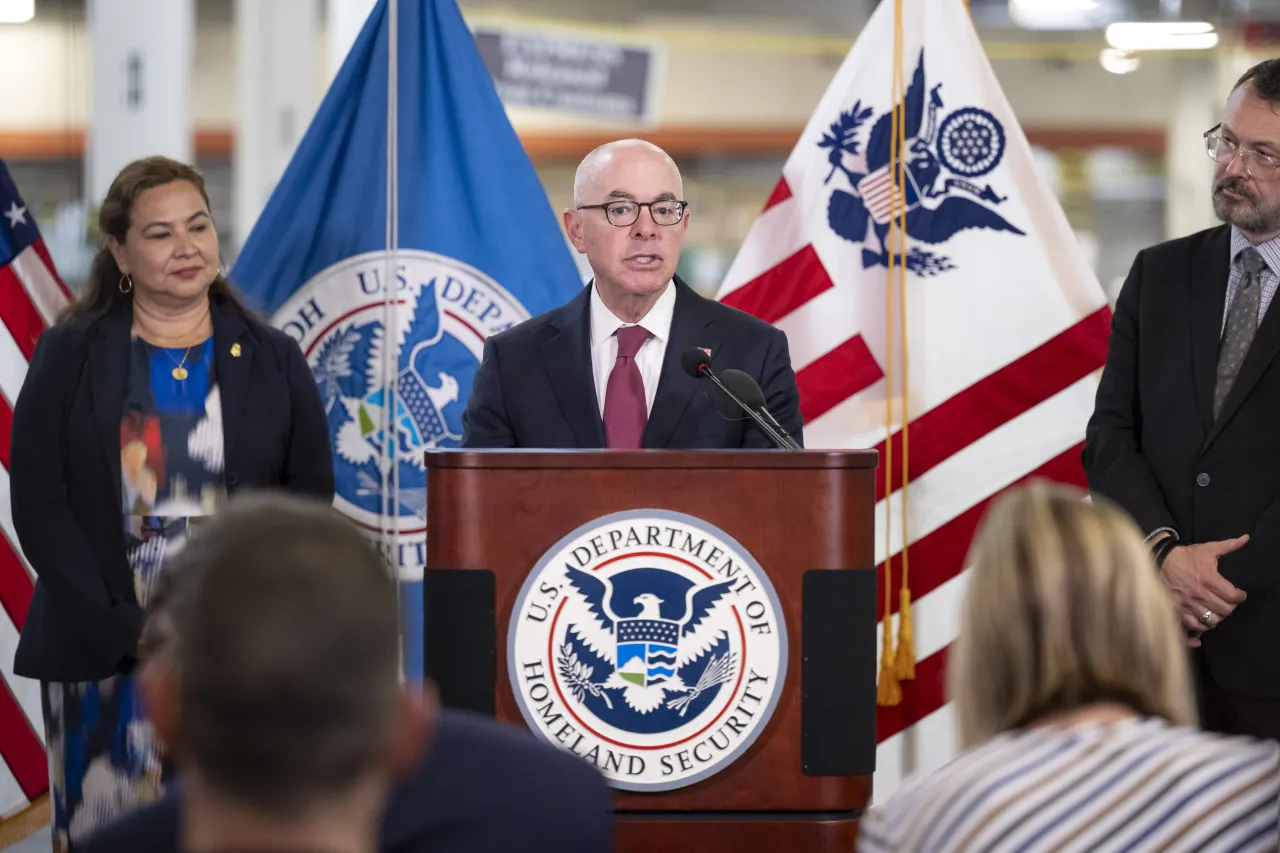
pixel 625 412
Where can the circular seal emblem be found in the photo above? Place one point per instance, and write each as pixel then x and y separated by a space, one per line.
pixel 444 311
pixel 971 142
pixel 650 644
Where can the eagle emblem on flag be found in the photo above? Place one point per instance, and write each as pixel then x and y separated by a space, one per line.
pixel 966 144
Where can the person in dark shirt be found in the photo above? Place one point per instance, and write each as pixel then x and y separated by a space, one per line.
pixel 464 784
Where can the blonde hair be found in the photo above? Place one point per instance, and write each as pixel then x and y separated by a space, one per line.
pixel 1064 609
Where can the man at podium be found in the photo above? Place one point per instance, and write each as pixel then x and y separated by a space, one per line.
pixel 605 370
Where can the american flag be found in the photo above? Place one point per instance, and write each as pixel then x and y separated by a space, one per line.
pixel 31 296
pixel 1006 324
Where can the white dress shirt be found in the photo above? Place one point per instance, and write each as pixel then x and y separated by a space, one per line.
pixel 604 344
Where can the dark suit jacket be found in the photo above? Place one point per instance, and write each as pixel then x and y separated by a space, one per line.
pixel 482 788
pixel 84 620
pixel 1154 447
pixel 535 387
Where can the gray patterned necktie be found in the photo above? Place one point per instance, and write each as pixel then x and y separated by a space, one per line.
pixel 1242 322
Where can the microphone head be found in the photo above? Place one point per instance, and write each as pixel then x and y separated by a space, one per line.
pixel 743 387
pixel 693 360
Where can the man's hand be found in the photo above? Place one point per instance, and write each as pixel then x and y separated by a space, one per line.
pixel 1191 574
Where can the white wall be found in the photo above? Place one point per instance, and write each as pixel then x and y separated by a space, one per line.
pixel 1045 93
pixel 213 77
pixel 46 72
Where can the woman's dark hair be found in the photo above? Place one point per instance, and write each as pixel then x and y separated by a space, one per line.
pixel 114 217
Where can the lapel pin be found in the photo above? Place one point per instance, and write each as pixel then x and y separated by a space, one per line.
pixel 235 350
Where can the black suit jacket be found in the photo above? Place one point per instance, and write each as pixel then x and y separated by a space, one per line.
pixel 1154 447
pixel 482 788
pixel 535 387
pixel 84 620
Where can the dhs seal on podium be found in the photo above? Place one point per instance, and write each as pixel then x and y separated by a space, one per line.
pixel 650 644
pixel 445 310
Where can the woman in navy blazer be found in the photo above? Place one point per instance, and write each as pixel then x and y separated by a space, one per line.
pixel 155 396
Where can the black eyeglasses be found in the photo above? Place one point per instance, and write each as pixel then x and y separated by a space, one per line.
pixel 1264 167
pixel 624 213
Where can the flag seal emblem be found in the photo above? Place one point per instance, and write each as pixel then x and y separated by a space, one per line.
pixel 941 159
pixel 650 644
pixel 445 311
pixel 971 142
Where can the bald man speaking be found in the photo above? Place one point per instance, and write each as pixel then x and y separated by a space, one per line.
pixel 604 370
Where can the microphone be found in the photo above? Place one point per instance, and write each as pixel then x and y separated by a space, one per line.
pixel 744 388
pixel 698 364
pixel 748 391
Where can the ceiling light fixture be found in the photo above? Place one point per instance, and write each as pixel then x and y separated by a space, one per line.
pixel 1054 14
pixel 1054 5
pixel 1118 61
pixel 17 11
pixel 1165 35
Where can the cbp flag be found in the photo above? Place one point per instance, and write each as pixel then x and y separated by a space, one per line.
pixel 391 263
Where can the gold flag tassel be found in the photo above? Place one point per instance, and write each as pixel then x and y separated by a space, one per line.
pixel 906 662
pixel 906 657
pixel 888 690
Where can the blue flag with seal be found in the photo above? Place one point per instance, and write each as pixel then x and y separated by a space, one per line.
pixel 432 192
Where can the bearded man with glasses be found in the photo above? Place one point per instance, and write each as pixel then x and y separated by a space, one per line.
pixel 604 371
pixel 1185 433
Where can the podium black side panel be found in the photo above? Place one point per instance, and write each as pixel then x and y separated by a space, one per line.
pixel 459 637
pixel 838 673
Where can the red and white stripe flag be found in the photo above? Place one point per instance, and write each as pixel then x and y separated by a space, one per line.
pixel 31 296
pixel 1005 325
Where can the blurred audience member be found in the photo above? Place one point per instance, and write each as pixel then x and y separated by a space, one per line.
pixel 1072 697
pixel 284 706
pixel 478 787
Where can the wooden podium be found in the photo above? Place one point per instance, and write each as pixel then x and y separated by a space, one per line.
pixel 805 518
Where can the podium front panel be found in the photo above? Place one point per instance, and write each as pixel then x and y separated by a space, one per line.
pixel 806 518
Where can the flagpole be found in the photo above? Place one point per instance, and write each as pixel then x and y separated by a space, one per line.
pixel 888 690
pixel 393 203
pixel 905 662
pixel 390 529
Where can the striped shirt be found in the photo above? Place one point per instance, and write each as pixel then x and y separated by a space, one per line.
pixel 1138 784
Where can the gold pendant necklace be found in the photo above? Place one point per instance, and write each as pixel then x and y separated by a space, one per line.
pixel 179 372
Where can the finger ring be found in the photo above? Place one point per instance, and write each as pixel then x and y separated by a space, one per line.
pixel 1206 618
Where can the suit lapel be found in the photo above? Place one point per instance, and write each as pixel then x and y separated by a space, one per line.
pixel 108 376
pixel 1208 300
pixel 1263 350
pixel 675 387
pixel 566 356
pixel 233 355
